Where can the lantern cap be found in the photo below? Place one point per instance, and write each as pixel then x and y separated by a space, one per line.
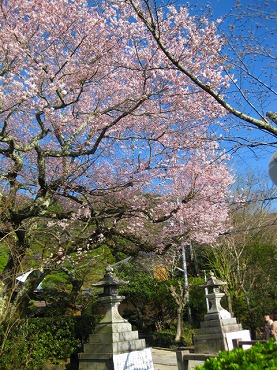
pixel 109 279
pixel 213 282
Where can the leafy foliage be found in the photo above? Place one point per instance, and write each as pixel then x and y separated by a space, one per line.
pixel 153 309
pixel 246 259
pixel 258 357
pixel 167 338
pixel 3 255
pixel 33 342
pixel 151 300
pixel 197 300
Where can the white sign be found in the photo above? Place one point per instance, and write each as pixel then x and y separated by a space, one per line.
pixel 242 335
pixel 136 360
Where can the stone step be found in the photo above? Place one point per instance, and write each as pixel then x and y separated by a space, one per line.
pixel 113 337
pixel 114 348
pixel 218 322
pixel 113 328
pixel 216 329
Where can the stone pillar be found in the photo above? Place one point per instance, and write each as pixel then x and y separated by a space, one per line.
pixel 113 335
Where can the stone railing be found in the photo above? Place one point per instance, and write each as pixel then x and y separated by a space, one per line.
pixel 238 343
pixel 187 360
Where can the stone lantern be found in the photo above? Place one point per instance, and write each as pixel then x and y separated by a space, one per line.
pixel 110 283
pixel 114 345
pixel 109 298
pixel 219 327
pixel 214 296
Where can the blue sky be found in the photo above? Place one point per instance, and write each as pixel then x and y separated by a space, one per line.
pixel 257 159
pixel 250 159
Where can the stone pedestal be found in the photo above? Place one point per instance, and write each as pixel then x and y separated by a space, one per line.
pixel 211 337
pixel 113 335
pixel 108 340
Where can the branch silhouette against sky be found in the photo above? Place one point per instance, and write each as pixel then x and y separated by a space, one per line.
pixel 248 29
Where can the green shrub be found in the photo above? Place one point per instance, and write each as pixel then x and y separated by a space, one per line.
pixel 166 338
pixel 258 357
pixel 33 342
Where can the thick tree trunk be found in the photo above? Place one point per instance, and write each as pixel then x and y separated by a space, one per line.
pixel 181 298
pixel 14 300
pixel 76 287
pixel 5 302
pixel 179 331
pixel 25 293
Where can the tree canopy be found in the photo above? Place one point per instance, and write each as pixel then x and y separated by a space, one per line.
pixel 102 138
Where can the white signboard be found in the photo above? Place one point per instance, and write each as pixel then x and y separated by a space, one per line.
pixel 136 360
pixel 242 335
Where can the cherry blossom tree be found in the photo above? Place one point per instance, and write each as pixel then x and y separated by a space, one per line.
pixel 102 138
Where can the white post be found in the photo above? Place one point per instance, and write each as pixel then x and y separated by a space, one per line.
pixel 206 292
pixel 186 284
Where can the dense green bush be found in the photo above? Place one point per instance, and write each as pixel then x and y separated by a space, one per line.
pixel 166 338
pixel 258 357
pixel 33 342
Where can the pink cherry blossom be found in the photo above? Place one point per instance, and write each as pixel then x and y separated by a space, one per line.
pixel 95 117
